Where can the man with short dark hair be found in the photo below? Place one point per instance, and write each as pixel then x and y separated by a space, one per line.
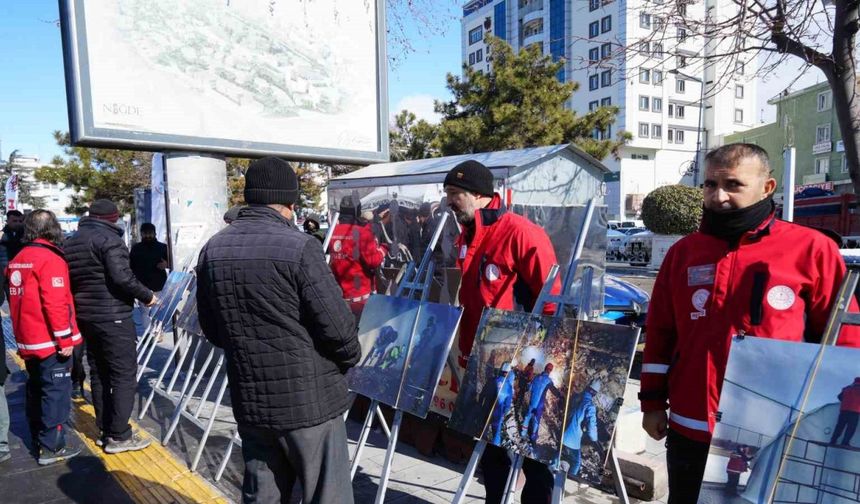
pixel 505 260
pixel 744 272
pixel 149 259
pixel 13 234
pixel 105 290
pixel 266 296
pixel 43 313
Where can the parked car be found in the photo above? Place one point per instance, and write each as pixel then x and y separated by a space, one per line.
pixel 638 248
pixel 623 302
pixel 615 245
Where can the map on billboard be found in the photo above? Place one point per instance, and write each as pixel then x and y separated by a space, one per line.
pixel 291 77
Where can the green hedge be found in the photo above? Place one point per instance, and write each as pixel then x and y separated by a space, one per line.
pixel 673 210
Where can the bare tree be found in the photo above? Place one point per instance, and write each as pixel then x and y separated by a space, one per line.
pixel 754 38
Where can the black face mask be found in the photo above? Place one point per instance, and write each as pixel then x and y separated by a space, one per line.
pixel 732 224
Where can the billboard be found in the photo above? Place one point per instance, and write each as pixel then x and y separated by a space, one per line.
pixel 291 78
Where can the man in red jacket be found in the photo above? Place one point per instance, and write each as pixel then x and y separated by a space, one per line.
pixel 505 260
pixel 744 272
pixel 355 255
pixel 43 316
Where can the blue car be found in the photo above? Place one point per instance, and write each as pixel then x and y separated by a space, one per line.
pixel 624 303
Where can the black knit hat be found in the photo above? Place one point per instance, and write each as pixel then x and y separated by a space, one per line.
pixel 471 176
pixel 271 181
pixel 104 209
pixel 350 206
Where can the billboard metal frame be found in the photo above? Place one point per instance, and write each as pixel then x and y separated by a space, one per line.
pixel 84 133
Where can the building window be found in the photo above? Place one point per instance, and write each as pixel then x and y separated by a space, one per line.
pixel 679 111
pixel 643 157
pixel 606 78
pixel 643 130
pixel 605 102
pixel 479 55
pixel 739 91
pixel 659 23
pixel 671 110
pixel 656 104
pixel 658 77
pixel 471 58
pixel 682 61
pixel 658 51
pixel 644 75
pixel 593 82
pixel 656 131
pixel 680 86
pixel 645 20
pixel 592 106
pixel 739 67
pixel 643 103
pixel 593 55
pixel 679 136
pixel 645 48
pixel 682 9
pixel 593 29
pixel 822 133
pixel 670 135
pixel 682 34
pixel 675 136
pixel 593 5
pixel 844 164
pixel 606 50
pixel 739 115
pixel 825 101
pixel 822 165
pixel 606 24
pixel 476 35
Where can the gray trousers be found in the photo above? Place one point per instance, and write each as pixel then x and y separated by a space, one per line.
pixel 315 456
pixel 4 415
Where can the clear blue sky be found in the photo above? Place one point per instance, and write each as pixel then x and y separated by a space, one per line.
pixel 32 86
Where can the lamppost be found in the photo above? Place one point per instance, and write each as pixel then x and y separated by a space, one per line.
pixel 701 121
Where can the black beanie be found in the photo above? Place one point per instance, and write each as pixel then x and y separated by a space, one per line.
pixel 471 176
pixel 350 207
pixel 271 181
pixel 104 209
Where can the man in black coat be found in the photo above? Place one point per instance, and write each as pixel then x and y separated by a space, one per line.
pixel 13 234
pixel 105 289
pixel 267 297
pixel 149 259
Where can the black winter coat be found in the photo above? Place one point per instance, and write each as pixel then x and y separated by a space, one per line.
pixel 102 282
pixel 267 297
pixel 145 257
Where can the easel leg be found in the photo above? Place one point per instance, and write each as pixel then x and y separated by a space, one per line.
pixel 620 489
pixel 382 423
pixel 362 438
pixel 513 475
pixel 389 457
pixel 558 486
pixel 470 472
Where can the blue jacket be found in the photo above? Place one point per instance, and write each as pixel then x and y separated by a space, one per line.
pixel 538 390
pixel 505 387
pixel 583 410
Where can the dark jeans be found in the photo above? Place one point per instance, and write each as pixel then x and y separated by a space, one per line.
pixel 113 364
pixel 315 456
pixel 732 483
pixel 79 374
pixel 495 466
pixel 49 399
pixel 686 461
pixel 847 422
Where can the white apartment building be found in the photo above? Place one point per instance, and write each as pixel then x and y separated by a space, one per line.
pixel 56 196
pixel 626 53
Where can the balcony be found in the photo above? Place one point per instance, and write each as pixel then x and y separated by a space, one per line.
pixel 529 6
pixel 532 16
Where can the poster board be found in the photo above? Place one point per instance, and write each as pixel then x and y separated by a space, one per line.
pixel 292 78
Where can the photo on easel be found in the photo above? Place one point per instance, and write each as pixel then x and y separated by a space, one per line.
pixel 404 344
pixel 434 334
pixel 600 368
pixel 384 331
pixel 488 379
pixel 786 431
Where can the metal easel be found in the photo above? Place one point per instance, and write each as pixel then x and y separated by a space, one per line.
pixel 414 285
pixel 583 309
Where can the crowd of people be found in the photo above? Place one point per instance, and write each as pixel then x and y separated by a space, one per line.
pixel 69 297
pixel 286 318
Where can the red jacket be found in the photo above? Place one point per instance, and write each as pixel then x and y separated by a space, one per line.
pixel 706 293
pixel 355 255
pixel 504 266
pixel 850 397
pixel 737 464
pixel 40 301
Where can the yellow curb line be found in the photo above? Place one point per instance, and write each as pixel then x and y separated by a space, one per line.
pixel 152 475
